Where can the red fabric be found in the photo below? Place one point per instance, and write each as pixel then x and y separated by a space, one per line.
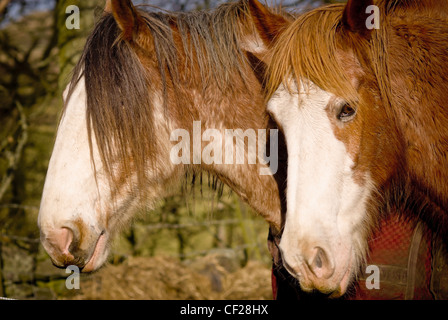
pixel 390 247
pixel 274 284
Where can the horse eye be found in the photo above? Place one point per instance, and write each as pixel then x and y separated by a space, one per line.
pixel 346 113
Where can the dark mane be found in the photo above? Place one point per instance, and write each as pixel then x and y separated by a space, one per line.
pixel 120 89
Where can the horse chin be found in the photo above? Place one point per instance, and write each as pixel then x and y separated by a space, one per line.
pixel 99 255
pixel 332 289
pixel 344 283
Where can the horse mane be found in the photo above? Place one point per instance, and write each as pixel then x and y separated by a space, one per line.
pixel 120 89
pixel 424 12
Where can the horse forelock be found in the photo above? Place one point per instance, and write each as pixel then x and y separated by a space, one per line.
pixel 119 107
pixel 308 49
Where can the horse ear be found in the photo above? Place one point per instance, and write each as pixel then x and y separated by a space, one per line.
pixel 126 16
pixel 355 17
pixel 269 25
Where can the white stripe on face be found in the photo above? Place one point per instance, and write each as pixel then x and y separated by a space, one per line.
pixel 71 197
pixel 325 206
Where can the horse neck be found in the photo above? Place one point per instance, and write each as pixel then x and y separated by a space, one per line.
pixel 418 100
pixel 242 107
pixel 261 192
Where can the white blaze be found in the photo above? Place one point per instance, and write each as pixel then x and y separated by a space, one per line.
pixel 325 206
pixel 70 189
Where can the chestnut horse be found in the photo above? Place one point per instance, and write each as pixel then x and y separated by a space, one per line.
pixel 142 76
pixel 363 109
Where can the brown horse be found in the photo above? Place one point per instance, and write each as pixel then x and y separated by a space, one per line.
pixel 146 81
pixel 363 110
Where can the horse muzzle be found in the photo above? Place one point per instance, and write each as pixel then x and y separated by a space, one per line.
pixel 318 266
pixel 72 245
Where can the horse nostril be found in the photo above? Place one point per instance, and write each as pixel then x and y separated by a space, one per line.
pixel 321 263
pixel 61 240
pixel 58 242
pixel 318 260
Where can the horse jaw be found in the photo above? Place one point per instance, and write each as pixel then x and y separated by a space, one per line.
pixel 322 244
pixel 72 199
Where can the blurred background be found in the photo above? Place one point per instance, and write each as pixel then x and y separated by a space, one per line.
pixel 193 246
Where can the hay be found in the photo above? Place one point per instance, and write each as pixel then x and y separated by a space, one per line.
pixel 162 278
